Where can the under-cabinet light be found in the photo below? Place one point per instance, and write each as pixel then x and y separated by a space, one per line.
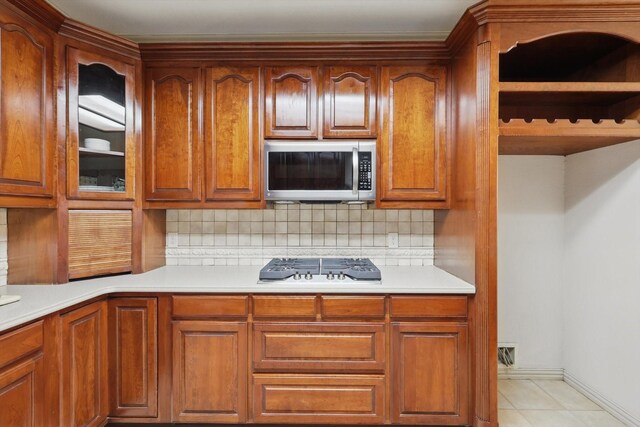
pixel 89 118
pixel 103 106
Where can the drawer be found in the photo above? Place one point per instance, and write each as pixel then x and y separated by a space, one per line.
pixel 210 306
pixel 284 306
pixel 352 307
pixel 319 347
pixel 21 342
pixel 317 399
pixel 403 307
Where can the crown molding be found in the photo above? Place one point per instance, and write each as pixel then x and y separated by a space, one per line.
pixel 530 11
pixel 245 51
pixel 87 34
pixel 289 37
pixel 41 11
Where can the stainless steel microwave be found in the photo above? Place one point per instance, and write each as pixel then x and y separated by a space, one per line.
pixel 336 170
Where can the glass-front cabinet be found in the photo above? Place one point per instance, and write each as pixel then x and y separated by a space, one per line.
pixel 101 136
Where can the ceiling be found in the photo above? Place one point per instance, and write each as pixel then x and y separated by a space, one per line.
pixel 268 20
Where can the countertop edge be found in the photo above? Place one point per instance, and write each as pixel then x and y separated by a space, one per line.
pixel 105 289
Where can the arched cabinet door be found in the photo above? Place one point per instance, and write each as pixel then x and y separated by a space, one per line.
pixel 291 102
pixel 173 141
pixel 27 122
pixel 101 136
pixel 412 146
pixel 232 137
pixel 350 102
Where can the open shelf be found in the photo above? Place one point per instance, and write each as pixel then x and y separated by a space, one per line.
pixel 569 93
pixel 563 137
pixel 99 153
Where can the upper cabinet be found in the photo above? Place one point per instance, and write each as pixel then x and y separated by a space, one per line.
pixel 101 150
pixel 293 95
pixel 589 99
pixel 232 134
pixel 412 144
pixel 27 120
pixel 173 141
pixel 291 102
pixel 350 102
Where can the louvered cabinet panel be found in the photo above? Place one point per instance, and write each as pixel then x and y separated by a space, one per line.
pixel 99 242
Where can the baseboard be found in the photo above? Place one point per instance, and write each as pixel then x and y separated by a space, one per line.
pixel 505 373
pixel 602 401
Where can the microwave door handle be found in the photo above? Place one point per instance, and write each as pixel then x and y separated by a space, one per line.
pixel 356 176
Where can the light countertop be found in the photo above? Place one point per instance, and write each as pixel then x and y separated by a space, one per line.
pixel 40 300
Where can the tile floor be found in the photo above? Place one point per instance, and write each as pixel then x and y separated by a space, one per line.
pixel 548 403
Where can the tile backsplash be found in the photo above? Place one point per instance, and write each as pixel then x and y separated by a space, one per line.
pixel 252 237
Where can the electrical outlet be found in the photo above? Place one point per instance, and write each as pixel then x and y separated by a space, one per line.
pixel 172 240
pixel 392 240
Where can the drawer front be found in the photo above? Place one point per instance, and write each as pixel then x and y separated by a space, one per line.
pixel 210 306
pixel 283 306
pixel 21 342
pixel 352 307
pixel 319 347
pixel 403 307
pixel 316 399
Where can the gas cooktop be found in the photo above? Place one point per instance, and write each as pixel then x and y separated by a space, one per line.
pixel 320 270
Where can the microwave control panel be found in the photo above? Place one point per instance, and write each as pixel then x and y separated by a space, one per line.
pixel 365 171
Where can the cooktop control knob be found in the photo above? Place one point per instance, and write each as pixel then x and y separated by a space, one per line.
pixel 341 276
pixel 330 275
pixel 296 276
pixel 308 276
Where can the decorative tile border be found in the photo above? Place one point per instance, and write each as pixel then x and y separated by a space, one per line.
pixel 252 237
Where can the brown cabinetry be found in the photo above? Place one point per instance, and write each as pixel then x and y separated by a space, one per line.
pixel 291 102
pixel 429 373
pixel 209 371
pixel 318 399
pixel 350 102
pixel 22 398
pixel 27 121
pixel 319 347
pixel 173 139
pixel 101 141
pixel 232 134
pixel 84 366
pixel 412 146
pixel 133 365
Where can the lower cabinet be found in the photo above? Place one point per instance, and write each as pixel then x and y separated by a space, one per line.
pixel 209 371
pixel 318 399
pixel 22 400
pixel 429 373
pixel 133 360
pixel 84 366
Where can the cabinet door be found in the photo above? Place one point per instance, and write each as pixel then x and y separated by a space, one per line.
pixel 232 139
pixel 429 373
pixel 209 371
pixel 100 110
pixel 27 122
pixel 172 149
pixel 413 141
pixel 350 102
pixel 84 366
pixel 291 102
pixel 133 379
pixel 22 394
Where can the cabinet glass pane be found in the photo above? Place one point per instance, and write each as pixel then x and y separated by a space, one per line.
pixel 101 116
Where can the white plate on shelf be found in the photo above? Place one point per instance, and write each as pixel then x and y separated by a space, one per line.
pixel 97 144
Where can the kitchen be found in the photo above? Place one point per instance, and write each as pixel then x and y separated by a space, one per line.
pixel 186 185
